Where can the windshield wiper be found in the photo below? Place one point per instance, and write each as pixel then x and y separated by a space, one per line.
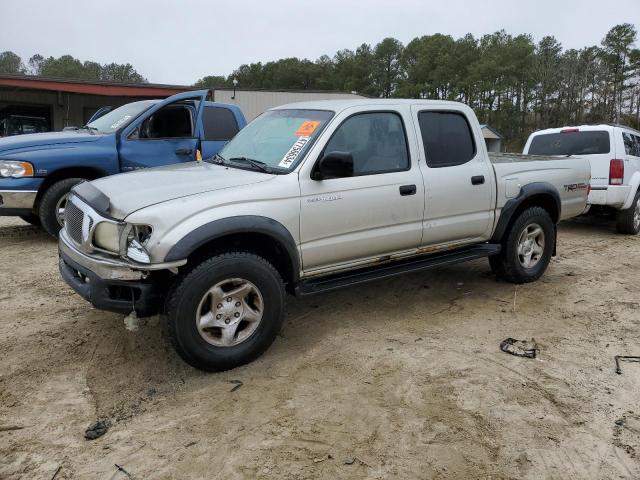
pixel 87 127
pixel 263 167
pixel 217 159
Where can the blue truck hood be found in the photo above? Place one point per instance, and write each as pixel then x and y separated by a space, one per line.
pixel 37 141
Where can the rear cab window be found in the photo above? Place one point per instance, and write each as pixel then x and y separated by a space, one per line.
pixel 447 138
pixel 219 123
pixel 571 142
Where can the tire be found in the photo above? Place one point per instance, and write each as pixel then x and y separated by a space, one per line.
pixel 31 219
pixel 628 221
pixel 537 250
pixel 50 204
pixel 194 297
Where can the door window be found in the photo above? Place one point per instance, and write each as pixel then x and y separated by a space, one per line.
pixel 219 124
pixel 173 121
pixel 447 138
pixel 631 144
pixel 377 142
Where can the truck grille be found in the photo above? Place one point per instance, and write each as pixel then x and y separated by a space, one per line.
pixel 73 220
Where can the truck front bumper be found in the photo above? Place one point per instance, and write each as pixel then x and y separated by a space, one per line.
pixel 111 284
pixel 18 195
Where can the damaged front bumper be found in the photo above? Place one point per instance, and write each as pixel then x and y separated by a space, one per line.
pixel 115 285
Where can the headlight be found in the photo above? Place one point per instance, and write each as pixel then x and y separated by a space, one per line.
pixel 107 236
pixel 110 236
pixel 137 238
pixel 15 169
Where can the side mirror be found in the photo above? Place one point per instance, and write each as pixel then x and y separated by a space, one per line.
pixel 334 165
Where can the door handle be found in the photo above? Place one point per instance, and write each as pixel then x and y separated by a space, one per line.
pixel 477 180
pixel 184 151
pixel 408 190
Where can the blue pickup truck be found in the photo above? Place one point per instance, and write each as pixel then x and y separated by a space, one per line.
pixel 38 170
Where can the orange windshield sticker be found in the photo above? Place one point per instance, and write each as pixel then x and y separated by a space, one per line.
pixel 307 128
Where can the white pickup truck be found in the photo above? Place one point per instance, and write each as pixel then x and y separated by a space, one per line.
pixel 614 154
pixel 308 198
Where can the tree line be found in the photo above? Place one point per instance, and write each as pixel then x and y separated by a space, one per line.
pixel 512 82
pixel 67 66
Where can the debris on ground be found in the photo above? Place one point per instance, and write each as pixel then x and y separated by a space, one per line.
pixel 96 430
pixel 132 322
pixel 349 461
pixel 322 459
pixel 624 358
pixel 55 474
pixel 238 384
pixel 10 428
pixel 520 348
pixel 121 469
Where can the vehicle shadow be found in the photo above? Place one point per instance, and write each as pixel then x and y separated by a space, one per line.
pixel 15 230
pixel 594 223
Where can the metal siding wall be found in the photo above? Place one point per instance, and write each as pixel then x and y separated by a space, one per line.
pixel 254 102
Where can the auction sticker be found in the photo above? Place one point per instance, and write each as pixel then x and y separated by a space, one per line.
pixel 307 128
pixel 293 152
pixel 120 121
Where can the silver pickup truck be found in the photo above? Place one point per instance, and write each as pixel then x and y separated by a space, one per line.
pixel 308 198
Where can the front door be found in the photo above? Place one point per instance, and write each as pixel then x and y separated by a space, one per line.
pixel 169 132
pixel 376 212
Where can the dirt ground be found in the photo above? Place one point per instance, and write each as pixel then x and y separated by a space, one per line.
pixel 399 379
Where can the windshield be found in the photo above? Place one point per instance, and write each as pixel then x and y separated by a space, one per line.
pixel 277 138
pixel 121 116
pixel 571 143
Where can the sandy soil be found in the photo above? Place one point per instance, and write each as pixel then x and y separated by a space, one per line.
pixel 400 379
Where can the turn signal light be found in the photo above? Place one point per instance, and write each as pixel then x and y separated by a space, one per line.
pixel 616 172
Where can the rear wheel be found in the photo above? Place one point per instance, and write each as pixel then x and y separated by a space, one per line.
pixel 226 312
pixel 528 247
pixel 628 220
pixel 53 203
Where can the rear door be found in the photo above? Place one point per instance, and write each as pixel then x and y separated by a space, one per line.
pixel 167 133
pixel 631 142
pixel 459 180
pixel 220 125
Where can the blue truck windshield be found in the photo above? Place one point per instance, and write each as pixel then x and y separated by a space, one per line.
pixel 120 117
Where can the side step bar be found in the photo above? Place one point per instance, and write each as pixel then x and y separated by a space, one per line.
pixel 391 269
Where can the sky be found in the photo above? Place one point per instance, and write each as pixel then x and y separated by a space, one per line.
pixel 178 42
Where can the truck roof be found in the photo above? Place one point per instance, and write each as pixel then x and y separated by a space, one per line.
pixel 598 126
pixel 341 104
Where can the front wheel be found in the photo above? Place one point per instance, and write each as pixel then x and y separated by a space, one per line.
pixel 53 203
pixel 226 312
pixel 528 247
pixel 628 221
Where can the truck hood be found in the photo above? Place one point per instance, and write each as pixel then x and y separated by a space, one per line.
pixel 33 141
pixel 129 192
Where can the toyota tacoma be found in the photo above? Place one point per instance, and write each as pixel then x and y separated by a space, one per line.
pixel 308 198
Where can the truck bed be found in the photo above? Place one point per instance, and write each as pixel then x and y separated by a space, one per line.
pixel 520 157
pixel 569 176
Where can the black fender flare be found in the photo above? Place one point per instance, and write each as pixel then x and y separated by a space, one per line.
pixel 512 205
pixel 233 225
